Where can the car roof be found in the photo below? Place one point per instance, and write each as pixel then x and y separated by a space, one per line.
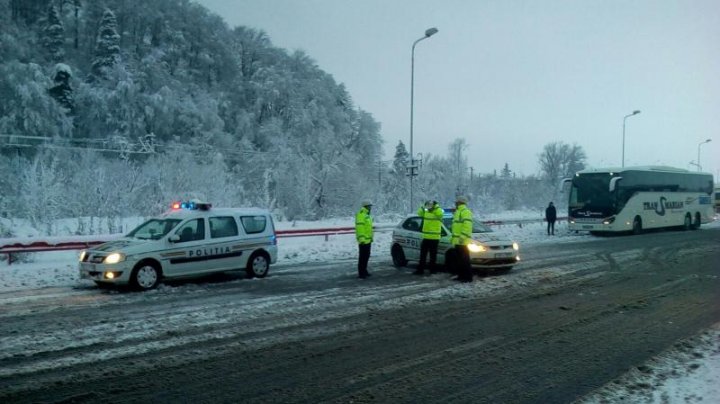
pixel 186 214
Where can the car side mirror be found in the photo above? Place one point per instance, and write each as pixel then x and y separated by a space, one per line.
pixel 174 238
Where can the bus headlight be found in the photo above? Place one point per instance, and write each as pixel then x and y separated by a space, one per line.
pixel 609 220
pixel 114 258
pixel 472 247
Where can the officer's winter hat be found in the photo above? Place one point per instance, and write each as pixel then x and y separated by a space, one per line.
pixel 366 203
pixel 461 199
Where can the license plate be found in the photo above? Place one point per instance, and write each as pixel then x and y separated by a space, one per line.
pixel 587 226
pixel 503 255
pixel 88 267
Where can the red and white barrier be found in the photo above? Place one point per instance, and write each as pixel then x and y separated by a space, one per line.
pixel 29 244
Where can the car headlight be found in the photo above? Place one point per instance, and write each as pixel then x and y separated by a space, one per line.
pixel 472 247
pixel 83 255
pixel 114 258
pixel 516 246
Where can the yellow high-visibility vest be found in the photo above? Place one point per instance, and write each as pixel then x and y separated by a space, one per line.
pixel 432 222
pixel 462 226
pixel 363 226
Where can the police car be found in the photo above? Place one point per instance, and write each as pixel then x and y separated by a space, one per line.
pixel 487 250
pixel 191 239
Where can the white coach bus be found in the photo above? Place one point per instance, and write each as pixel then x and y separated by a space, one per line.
pixel 637 198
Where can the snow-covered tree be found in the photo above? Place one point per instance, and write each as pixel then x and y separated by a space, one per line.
pixel 559 160
pixel 62 91
pixel 401 159
pixel 107 45
pixel 53 36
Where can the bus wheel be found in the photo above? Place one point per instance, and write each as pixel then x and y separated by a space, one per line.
pixel 637 226
pixel 696 225
pixel 688 222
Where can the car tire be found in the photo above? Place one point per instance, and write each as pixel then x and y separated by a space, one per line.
pixel 688 222
pixel 398 256
pixel 258 265
pixel 637 226
pixel 145 276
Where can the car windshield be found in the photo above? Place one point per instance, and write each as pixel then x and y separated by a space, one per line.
pixel 478 227
pixel 154 229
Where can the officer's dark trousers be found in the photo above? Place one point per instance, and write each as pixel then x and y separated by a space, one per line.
pixel 464 270
pixel 551 227
pixel 363 259
pixel 428 246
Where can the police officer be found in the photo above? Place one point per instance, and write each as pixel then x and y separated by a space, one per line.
pixel 432 214
pixel 462 225
pixel 364 236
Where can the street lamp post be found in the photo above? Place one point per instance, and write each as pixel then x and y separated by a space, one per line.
pixel 623 143
pixel 428 33
pixel 698 159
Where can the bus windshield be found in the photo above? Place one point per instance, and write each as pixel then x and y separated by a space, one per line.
pixel 590 195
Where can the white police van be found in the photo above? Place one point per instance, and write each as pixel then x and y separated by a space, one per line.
pixel 191 239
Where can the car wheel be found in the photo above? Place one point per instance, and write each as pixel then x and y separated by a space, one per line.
pixel 688 222
pixel 258 265
pixel 145 276
pixel 398 256
pixel 637 226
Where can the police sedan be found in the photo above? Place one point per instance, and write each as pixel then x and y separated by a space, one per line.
pixel 190 239
pixel 487 249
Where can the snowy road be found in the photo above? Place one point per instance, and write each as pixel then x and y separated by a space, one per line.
pixel 575 316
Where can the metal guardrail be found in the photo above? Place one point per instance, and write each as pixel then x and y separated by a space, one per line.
pixel 30 245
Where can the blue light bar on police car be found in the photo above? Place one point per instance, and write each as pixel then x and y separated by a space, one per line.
pixel 191 205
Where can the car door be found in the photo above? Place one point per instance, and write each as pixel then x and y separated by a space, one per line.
pixel 223 243
pixel 410 237
pixel 445 243
pixel 187 255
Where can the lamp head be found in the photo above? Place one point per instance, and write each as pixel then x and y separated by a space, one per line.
pixel 430 32
pixel 637 111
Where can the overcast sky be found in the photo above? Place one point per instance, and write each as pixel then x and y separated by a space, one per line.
pixel 511 76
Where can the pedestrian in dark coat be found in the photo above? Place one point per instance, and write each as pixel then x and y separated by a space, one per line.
pixel 551 216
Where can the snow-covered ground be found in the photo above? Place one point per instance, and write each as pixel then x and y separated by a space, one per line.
pixel 690 372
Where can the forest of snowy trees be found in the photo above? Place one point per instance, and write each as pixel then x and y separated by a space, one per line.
pixel 113 108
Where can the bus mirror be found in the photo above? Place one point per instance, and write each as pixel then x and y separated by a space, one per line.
pixel 562 184
pixel 613 183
